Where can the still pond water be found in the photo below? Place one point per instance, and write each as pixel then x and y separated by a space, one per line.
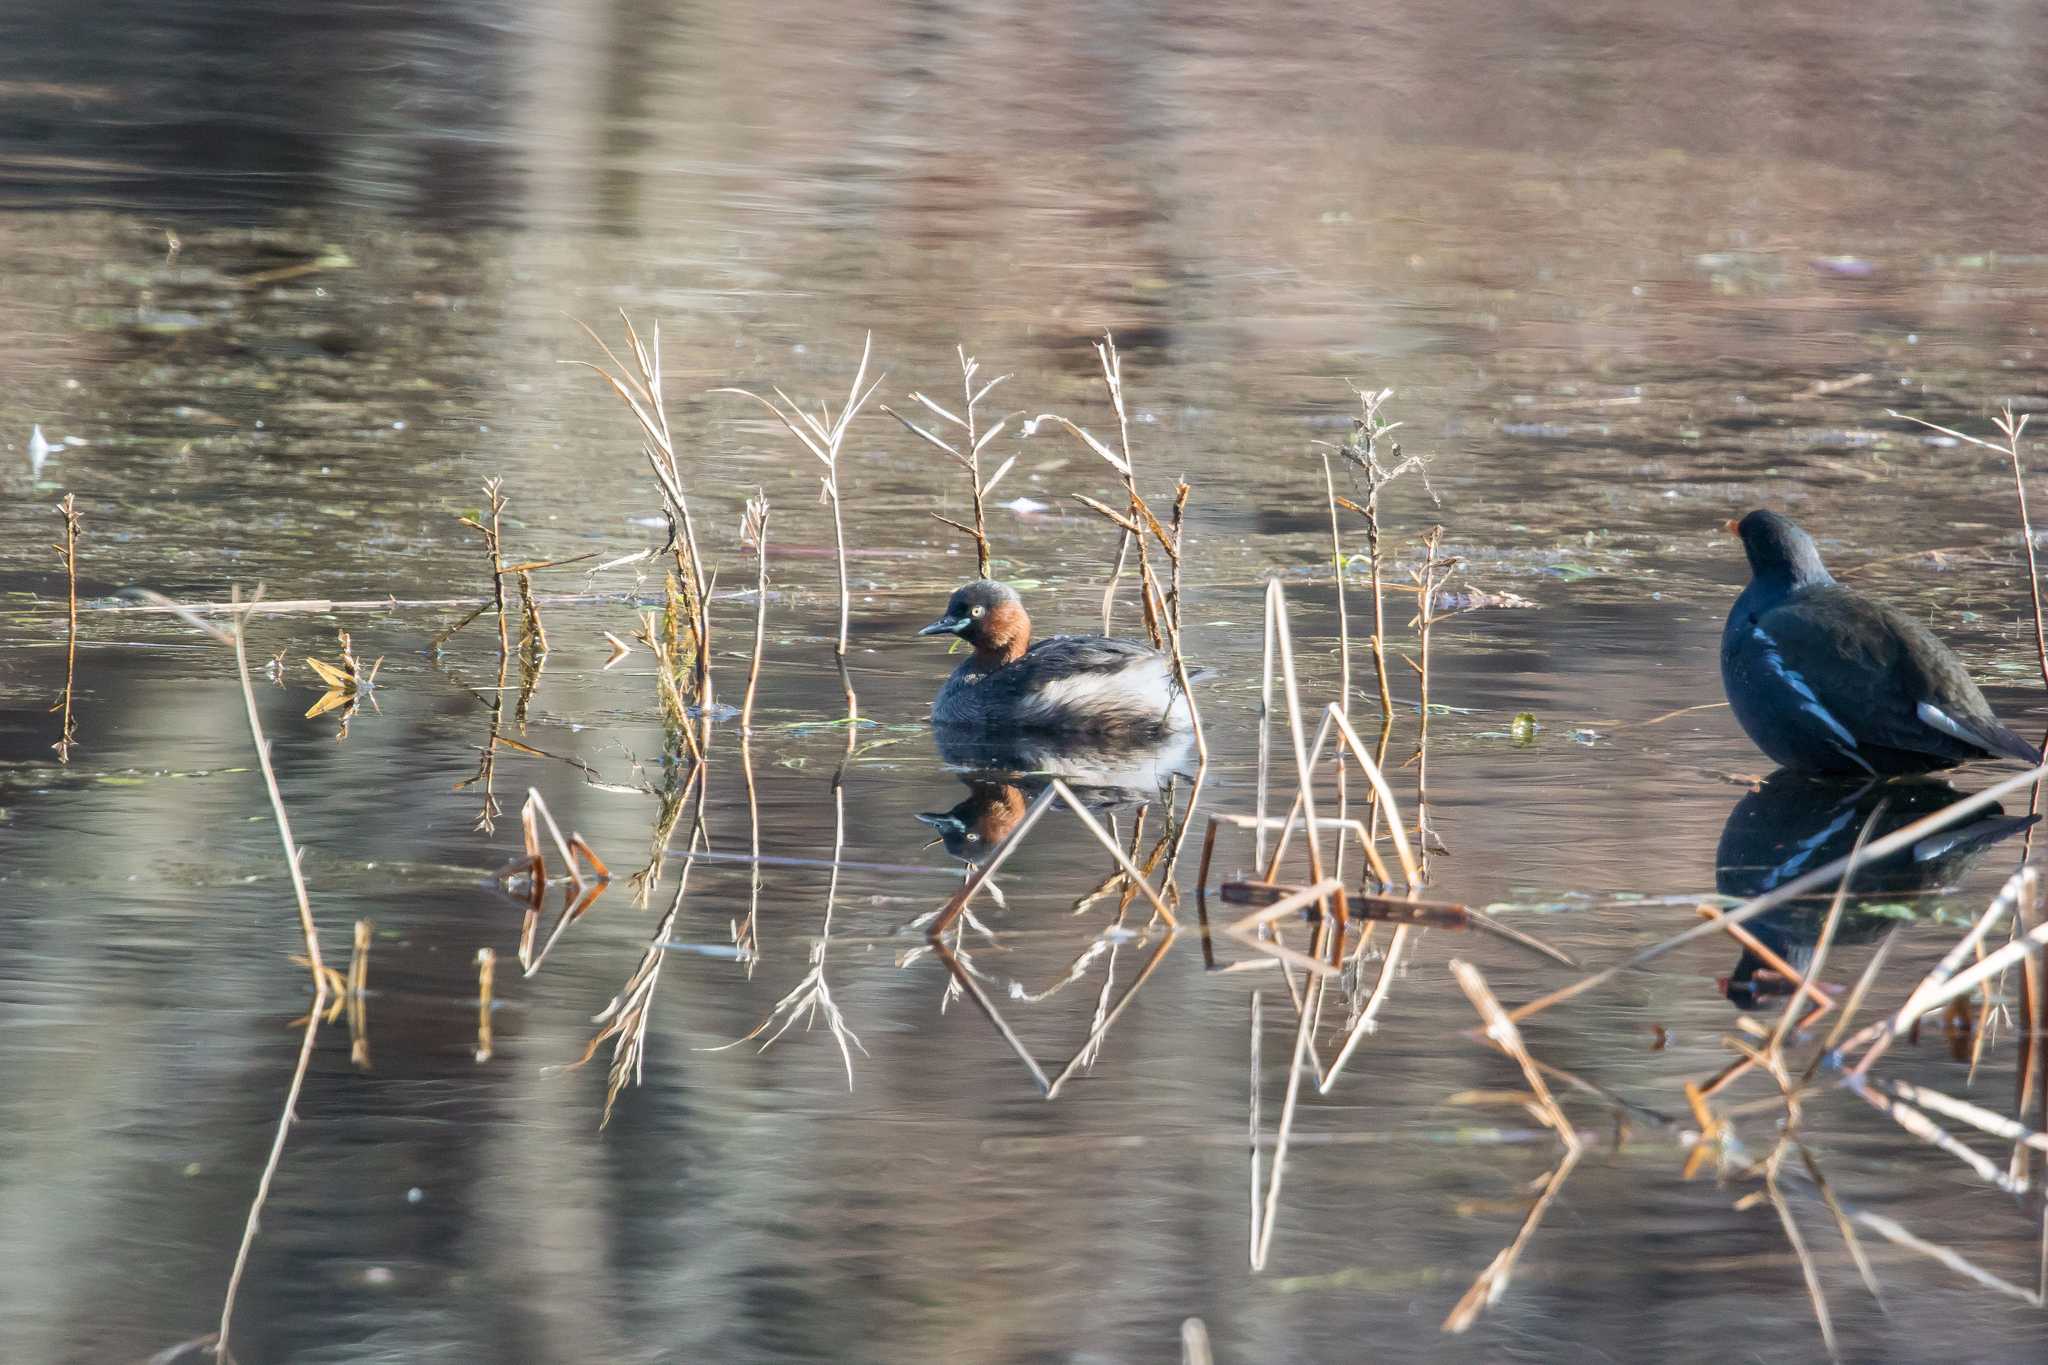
pixel 1630 270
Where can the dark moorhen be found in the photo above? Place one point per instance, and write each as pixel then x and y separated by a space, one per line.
pixel 1827 680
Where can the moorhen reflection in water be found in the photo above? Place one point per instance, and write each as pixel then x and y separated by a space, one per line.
pixel 1796 822
pixel 1006 773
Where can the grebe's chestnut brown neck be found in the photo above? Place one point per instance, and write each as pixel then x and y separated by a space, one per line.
pixel 991 619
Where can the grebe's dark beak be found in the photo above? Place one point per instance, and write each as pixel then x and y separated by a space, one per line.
pixel 946 625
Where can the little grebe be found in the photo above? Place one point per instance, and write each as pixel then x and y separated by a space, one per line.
pixel 1072 683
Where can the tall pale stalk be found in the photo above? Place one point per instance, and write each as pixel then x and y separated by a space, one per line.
pixel 825 437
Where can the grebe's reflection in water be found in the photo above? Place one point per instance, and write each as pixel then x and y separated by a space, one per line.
pixel 1005 774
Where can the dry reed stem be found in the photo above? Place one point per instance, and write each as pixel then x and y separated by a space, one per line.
pixel 1435 572
pixel 1998 1125
pixel 746 940
pixel 2010 428
pixel 754 532
pixel 1938 987
pixel 1501 1031
pixel 1368 1017
pixel 1369 429
pixel 1903 837
pixel 1304 1027
pixel 1410 867
pixel 1162 610
pixel 486 775
pixel 1336 823
pixel 316 966
pixel 578 895
pixel 640 389
pixel 494 494
pixel 825 437
pixel 811 998
pixel 626 1017
pixel 1245 930
pixel 1807 1269
pixel 1842 1225
pixel 1493 1281
pixel 1809 982
pixel 1258 1054
pixel 67 554
pixel 355 993
pixel 1276 621
pixel 486 977
pixel 1893 1232
pixel 1857 994
pixel 975 440
pixel 1124 465
pixel 1927 1130
pixel 957 905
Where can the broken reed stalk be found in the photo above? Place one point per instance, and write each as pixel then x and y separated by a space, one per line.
pixel 639 388
pixel 67 554
pixel 1501 1031
pixel 486 975
pixel 825 437
pixel 356 995
pixel 1126 468
pixel 236 637
pixel 2010 428
pixel 754 532
pixel 974 440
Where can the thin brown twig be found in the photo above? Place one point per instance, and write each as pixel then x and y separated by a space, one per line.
pixel 754 532
pixel 975 440
pixel 67 554
pixel 317 968
pixel 2010 428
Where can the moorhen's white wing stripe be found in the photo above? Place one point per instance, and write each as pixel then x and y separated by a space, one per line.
pixel 1794 865
pixel 1809 703
pixel 1941 720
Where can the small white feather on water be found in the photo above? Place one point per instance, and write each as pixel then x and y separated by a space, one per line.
pixel 39 451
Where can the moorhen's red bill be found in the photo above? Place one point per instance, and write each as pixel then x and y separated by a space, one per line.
pixel 1825 679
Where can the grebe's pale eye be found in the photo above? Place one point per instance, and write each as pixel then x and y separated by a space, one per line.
pixel 977 611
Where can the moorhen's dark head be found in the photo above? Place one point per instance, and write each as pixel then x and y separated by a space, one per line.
pixel 1780 554
pixel 988 615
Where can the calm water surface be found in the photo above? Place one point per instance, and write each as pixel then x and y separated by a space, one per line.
pixel 1630 269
